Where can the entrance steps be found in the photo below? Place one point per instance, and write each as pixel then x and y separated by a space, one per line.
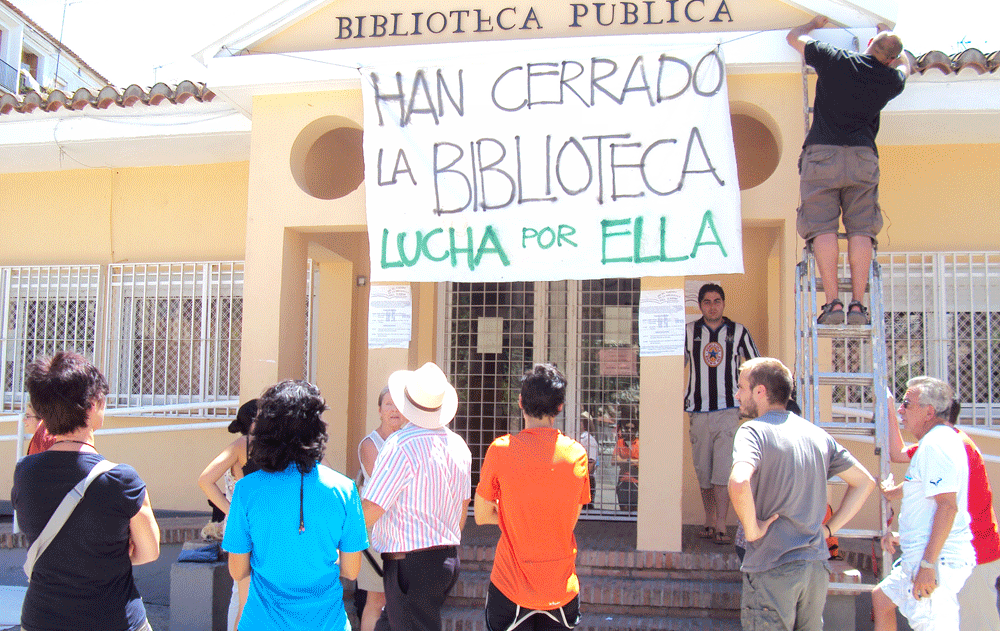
pixel 620 588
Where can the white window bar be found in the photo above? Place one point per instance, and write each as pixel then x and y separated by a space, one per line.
pixel 312 275
pixel 487 377
pixel 45 309
pixel 173 333
pixel 609 394
pixel 942 318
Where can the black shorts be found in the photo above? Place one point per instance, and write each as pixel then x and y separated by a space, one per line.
pixel 502 614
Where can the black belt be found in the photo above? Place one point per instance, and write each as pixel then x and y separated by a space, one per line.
pixel 396 556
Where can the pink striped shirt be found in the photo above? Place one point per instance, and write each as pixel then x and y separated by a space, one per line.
pixel 421 479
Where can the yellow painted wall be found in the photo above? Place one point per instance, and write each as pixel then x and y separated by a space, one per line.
pixel 169 463
pixel 940 198
pixel 151 214
pixel 280 218
pixel 657 526
pixel 283 222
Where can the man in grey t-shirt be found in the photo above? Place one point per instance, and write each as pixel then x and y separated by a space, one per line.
pixel 781 464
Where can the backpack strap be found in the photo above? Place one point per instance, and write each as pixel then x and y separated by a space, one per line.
pixel 62 513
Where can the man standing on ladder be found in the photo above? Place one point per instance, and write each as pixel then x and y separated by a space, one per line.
pixel 713 347
pixel 839 162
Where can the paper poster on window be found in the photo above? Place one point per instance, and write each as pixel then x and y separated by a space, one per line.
pixel 661 322
pixel 390 315
pixel 570 164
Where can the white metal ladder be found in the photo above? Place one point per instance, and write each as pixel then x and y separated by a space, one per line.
pixel 871 374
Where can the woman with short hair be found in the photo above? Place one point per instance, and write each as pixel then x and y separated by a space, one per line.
pixel 295 525
pixel 370 579
pixel 83 580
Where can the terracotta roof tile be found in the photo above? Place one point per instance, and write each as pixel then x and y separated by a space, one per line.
pixel 107 97
pixel 969 59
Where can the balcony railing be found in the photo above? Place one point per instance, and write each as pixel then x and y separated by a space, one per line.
pixel 8 77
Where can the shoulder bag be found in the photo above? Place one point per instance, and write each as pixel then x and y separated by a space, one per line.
pixel 62 513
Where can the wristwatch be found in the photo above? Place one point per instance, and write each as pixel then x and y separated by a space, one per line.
pixel 927 565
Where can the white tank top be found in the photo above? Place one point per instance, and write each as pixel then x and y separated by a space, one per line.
pixel 379 441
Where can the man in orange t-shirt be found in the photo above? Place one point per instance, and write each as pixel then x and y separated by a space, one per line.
pixel 533 484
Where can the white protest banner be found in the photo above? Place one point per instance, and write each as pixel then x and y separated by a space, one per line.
pixel 556 167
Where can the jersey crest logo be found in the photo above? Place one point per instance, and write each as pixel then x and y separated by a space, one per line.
pixel 713 354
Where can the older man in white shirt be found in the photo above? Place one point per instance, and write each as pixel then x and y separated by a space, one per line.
pixel 934 528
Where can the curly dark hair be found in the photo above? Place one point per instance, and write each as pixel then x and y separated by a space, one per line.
pixel 543 390
pixel 63 389
pixel 289 427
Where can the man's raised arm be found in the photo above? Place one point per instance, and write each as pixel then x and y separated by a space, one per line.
pixel 799 36
pixel 902 63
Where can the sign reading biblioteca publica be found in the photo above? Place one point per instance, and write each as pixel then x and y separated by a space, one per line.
pixel 552 167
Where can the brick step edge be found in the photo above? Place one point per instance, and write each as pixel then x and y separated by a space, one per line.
pixel 470 618
pixel 656 595
pixel 647 560
pixel 588 573
pixel 9 541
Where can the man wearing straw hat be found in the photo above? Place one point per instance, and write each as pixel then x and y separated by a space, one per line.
pixel 416 501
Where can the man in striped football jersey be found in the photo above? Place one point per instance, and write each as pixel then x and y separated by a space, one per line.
pixel 713 347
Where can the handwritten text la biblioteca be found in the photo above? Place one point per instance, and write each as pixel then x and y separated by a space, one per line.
pixel 580 140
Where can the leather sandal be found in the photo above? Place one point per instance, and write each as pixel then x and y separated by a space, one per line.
pixel 707 533
pixel 829 315
pixel 857 315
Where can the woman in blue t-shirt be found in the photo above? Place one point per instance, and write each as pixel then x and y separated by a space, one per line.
pixel 83 580
pixel 295 525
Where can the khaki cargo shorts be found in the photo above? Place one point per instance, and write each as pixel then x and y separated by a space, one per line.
pixel 712 435
pixel 837 181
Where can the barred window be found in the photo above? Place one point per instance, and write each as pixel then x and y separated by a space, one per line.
pixel 942 318
pixel 163 334
pixel 174 333
pixel 493 332
pixel 45 309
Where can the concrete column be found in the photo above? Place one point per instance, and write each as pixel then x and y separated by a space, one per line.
pixel 661 454
pixel 274 305
pixel 425 324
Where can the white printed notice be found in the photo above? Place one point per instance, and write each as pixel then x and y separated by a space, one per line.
pixel 661 322
pixel 390 314
pixel 559 166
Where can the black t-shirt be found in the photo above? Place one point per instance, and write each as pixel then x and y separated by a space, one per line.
pixel 83 580
pixel 851 90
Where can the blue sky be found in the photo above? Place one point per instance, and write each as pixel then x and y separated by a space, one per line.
pixel 139 41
